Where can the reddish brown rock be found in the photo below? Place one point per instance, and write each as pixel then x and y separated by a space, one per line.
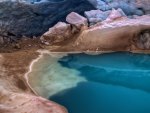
pixel 120 35
pixel 76 20
pixel 60 32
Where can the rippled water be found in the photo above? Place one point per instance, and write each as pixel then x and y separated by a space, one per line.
pixel 106 83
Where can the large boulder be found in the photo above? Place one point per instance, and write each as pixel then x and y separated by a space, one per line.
pixel 58 33
pixel 76 19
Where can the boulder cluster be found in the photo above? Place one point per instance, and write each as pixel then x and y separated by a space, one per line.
pixel 77 23
pixel 130 7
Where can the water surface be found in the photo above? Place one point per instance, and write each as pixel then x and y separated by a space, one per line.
pixel 106 83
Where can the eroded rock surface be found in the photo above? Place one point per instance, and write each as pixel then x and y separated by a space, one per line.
pixel 120 35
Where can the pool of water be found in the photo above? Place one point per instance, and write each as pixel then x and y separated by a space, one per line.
pixel 106 83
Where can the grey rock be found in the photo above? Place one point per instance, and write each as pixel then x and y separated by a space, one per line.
pixel 130 7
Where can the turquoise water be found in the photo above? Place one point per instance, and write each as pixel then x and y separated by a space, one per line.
pixel 109 83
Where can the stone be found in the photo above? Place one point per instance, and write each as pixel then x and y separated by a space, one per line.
pixel 76 19
pixel 95 16
pixel 58 33
pixel 130 7
pixel 115 14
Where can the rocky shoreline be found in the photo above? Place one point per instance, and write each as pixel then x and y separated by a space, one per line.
pixel 90 34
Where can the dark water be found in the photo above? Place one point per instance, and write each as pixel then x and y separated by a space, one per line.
pixel 116 83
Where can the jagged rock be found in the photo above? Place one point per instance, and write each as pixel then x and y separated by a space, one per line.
pixel 76 19
pixel 60 32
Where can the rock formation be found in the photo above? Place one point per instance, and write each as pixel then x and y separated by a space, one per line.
pixel 120 35
pixel 95 16
pixel 116 33
pixel 60 32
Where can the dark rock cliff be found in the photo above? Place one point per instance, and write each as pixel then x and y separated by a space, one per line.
pixel 35 19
